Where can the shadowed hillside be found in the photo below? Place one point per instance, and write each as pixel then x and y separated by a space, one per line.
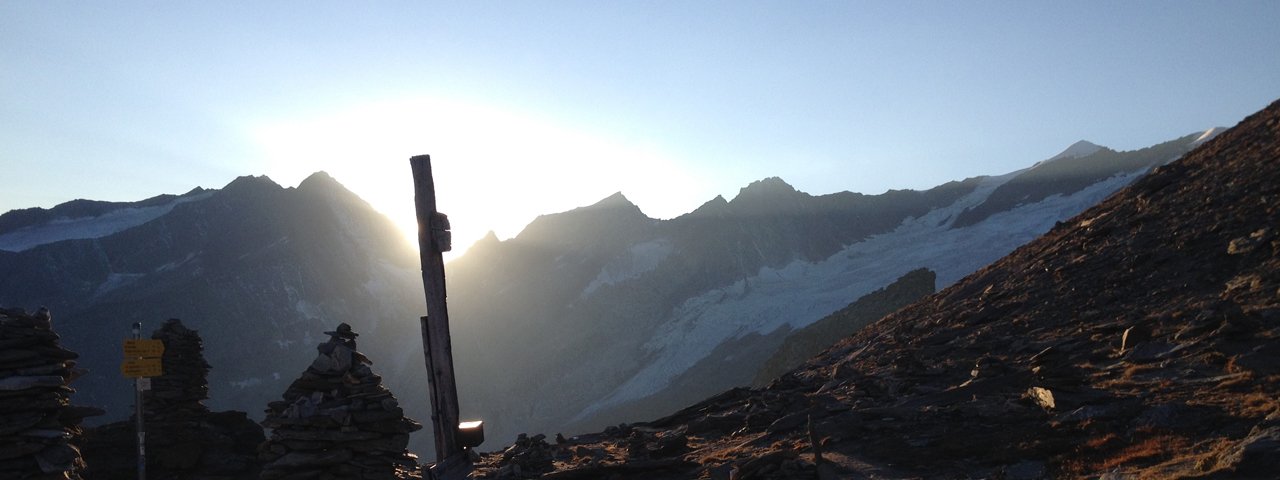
pixel 815 338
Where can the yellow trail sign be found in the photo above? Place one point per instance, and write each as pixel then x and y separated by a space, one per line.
pixel 141 367
pixel 143 348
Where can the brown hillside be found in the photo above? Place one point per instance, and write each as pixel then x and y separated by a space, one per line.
pixel 1137 339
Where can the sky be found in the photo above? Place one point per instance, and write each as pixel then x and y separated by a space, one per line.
pixel 531 108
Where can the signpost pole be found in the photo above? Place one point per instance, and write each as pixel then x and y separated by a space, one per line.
pixel 434 238
pixel 142 432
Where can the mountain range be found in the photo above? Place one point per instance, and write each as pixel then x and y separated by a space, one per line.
pixel 260 270
pixel 586 318
pixel 1137 339
pixel 601 314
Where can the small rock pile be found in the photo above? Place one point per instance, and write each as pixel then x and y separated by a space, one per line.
pixel 622 451
pixel 528 457
pixel 179 393
pixel 338 421
pixel 184 439
pixel 37 426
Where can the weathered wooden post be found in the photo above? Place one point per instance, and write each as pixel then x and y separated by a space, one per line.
pixel 434 238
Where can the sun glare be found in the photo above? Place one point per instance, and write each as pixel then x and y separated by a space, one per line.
pixel 494 169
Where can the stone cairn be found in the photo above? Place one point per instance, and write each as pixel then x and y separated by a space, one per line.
pixel 37 426
pixel 338 421
pixel 178 394
pixel 184 439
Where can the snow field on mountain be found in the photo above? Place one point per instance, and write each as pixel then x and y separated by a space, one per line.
pixel 801 292
pixel 88 227
pixel 640 259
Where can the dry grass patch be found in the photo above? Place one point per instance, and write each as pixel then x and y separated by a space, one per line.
pixel 1258 404
pixel 1153 449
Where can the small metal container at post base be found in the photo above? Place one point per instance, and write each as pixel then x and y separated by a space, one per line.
pixel 471 434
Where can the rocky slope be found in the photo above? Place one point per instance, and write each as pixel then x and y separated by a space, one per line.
pixel 1136 340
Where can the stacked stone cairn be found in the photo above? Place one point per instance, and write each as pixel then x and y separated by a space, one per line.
pixel 184 439
pixel 179 393
pixel 338 421
pixel 38 428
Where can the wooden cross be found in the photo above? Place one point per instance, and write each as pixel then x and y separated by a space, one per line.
pixel 434 238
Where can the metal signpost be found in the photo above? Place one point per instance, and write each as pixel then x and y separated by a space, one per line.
pixel 141 362
pixel 434 238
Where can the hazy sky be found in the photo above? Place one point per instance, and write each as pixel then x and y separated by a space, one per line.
pixel 537 107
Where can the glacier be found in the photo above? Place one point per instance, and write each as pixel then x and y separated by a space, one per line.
pixel 802 292
pixel 100 226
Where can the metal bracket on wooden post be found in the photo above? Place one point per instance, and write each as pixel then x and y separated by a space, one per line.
pixel 452 461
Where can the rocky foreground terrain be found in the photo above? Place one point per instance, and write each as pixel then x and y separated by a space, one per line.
pixel 1135 340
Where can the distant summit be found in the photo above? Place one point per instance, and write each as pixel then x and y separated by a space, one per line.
pixel 613 217
pixel 1081 148
pixel 1076 168
pixel 615 201
pixel 762 193
pixel 320 180
pixel 767 186
pixel 715 206
pixel 252 182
